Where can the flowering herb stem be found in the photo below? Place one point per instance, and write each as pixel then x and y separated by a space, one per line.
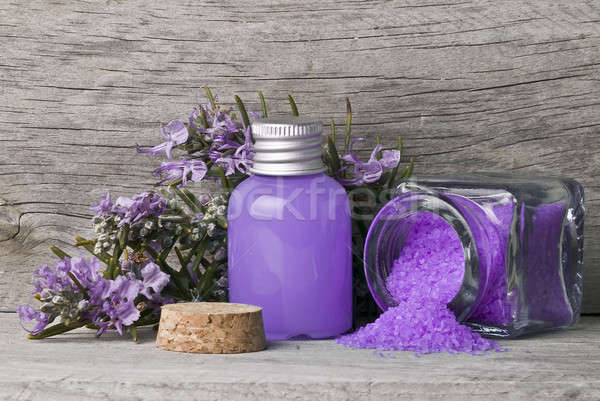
pixel 53 330
pixel 293 106
pixel 243 110
pixel 263 104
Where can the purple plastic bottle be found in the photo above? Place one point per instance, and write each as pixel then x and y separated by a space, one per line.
pixel 289 235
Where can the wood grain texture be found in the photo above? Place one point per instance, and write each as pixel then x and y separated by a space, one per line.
pixel 471 85
pixel 557 366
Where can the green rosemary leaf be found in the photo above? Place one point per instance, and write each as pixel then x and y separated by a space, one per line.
pixel 243 111
pixel 113 266
pixel 150 250
pixel 133 332
pixel 59 252
pixel 180 257
pixel 198 250
pixel 203 120
pixel 293 106
pixel 123 234
pixel 348 125
pixel 208 279
pixel 211 98
pixel 263 104
pixel 198 256
pixel 192 197
pixel 408 170
pixel 183 196
pixel 333 154
pixel 165 253
pixel 224 180
pixel 332 130
pixel 411 168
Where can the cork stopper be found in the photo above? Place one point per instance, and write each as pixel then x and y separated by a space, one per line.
pixel 211 328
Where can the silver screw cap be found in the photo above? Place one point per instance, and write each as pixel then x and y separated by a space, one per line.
pixel 287 146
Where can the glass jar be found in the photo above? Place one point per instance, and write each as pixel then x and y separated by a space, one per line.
pixel 521 241
pixel 289 235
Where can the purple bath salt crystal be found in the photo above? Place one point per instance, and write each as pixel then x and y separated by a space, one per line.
pixel 431 263
pixel 493 307
pixel 424 278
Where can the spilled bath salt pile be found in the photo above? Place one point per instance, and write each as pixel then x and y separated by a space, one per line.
pixel 426 276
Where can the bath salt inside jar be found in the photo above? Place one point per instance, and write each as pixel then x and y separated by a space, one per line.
pixel 503 253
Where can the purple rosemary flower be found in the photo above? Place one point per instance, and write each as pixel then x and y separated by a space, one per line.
pixel 115 303
pixel 221 131
pixel 371 170
pixel 194 117
pixel 214 155
pixel 27 314
pixel 153 278
pixel 55 279
pixel 175 134
pixel 104 206
pixel 58 293
pixel 222 123
pixel 180 170
pixel 241 158
pixel 146 204
pixel 87 271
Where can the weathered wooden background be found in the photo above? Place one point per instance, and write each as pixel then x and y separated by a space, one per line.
pixel 470 85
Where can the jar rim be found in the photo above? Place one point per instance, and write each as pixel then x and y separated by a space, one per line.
pixel 403 207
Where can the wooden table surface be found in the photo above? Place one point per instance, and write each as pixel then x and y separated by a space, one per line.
pixel 555 366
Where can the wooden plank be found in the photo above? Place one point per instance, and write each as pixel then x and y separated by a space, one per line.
pixel 75 366
pixel 471 85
